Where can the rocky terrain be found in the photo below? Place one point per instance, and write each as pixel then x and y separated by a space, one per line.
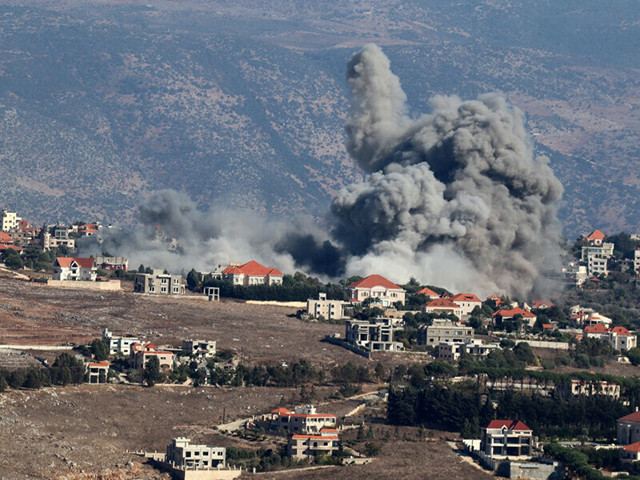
pixel 235 104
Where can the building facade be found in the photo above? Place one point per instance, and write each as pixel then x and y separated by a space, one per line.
pixel 444 331
pixel 118 345
pixel 252 273
pixel 327 309
pixel 506 439
pixel 302 420
pixel 628 428
pixel 75 269
pixel 375 334
pixel 182 453
pixel 158 283
pixel 378 289
pixel 199 348
pixel 9 221
pixel 98 372
pixel 326 442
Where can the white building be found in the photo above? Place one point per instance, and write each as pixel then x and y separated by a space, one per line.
pixel 444 330
pixel 74 269
pixel 596 258
pixel 467 303
pixel 158 282
pixel 182 454
pixel 8 221
pixel 252 273
pixel 453 350
pixel 575 273
pixel 326 442
pixel 327 309
pixel 199 348
pixel 636 261
pixel 507 439
pixel 303 419
pixel 377 288
pixel 118 345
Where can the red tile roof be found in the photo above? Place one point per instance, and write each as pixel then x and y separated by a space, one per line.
pixel 442 303
pixel 466 297
pixel 315 437
pixel 10 247
pixel 428 292
pixel 281 411
pixel 5 238
pixel 596 235
pixel 375 281
pixel 66 262
pixel 597 328
pixel 510 424
pixel 547 326
pixel 513 312
pixel 252 268
pixel 634 447
pixel 620 331
pixel 632 417
pixel 542 304
pixel 99 364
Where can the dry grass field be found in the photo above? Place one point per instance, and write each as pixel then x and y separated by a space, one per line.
pixel 84 432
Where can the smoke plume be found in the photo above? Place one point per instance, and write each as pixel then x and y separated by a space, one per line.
pixel 454 197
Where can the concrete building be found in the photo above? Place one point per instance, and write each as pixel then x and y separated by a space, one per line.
pixel 98 372
pixel 61 237
pixel 636 261
pixel 375 334
pixel 503 439
pixel 74 269
pixel 9 221
pixel 588 389
pixel 199 348
pixel 528 318
pixel 326 442
pixel 618 337
pixel 112 263
pixel 302 420
pixel 158 283
pixel 182 454
pixel 443 306
pixel 628 428
pixel 443 331
pixel 595 238
pixel 252 273
pixel 630 453
pixel 327 309
pixel 142 352
pixel 473 348
pixel 118 345
pixel 377 288
pixel 575 273
pixel 467 302
pixel 596 257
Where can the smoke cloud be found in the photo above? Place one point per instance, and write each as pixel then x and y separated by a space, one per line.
pixel 454 198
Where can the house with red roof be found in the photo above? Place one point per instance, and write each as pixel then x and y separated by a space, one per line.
pixel 75 269
pixel 628 428
pixel 427 292
pixel 307 446
pixel 6 242
pixel 630 453
pixel 618 337
pixel 503 439
pixel 97 372
pixel 595 238
pixel 379 289
pixel 541 304
pixel 252 273
pixel 442 306
pixel 303 419
pixel 467 302
pixel 142 352
pixel 528 318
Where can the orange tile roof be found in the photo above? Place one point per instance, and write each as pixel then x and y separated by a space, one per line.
pixel 375 281
pixel 465 297
pixel 597 328
pixel 547 326
pixel 5 238
pixel 513 312
pixel 428 292
pixel 620 331
pixel 252 268
pixel 99 364
pixel 281 411
pixel 634 447
pixel 442 303
pixel 315 437
pixel 66 262
pixel 542 304
pixel 10 247
pixel 596 235
pixel 510 424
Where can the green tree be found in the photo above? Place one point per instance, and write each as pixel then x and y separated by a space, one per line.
pixel 13 260
pixel 152 373
pixel 194 279
pixel 99 349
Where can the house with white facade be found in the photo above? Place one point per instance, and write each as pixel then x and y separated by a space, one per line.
pixel 502 315
pixel 467 302
pixel 119 345
pixel 75 269
pixel 325 442
pixel 628 428
pixel 159 283
pixel 443 306
pixel 503 439
pixel 8 221
pixel 377 288
pixel 618 337
pixel 327 309
pixel 199 348
pixel 181 453
pixel 302 420
pixel 252 273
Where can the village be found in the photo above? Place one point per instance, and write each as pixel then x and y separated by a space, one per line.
pixel 392 347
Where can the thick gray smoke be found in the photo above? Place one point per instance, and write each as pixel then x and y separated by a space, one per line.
pixel 454 197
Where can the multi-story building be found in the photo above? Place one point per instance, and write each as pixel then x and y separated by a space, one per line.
pixel 142 352
pixel 506 439
pixel 636 261
pixel 443 330
pixel 628 428
pixel 467 303
pixel 303 420
pixel 118 345
pixel 182 454
pixel 327 309
pixel 199 348
pixel 443 306
pixel 252 273
pixel 618 337
pixel 595 238
pixel 74 269
pixel 62 237
pixel 502 315
pixel 112 263
pixel 9 221
pixel 587 388
pixel 452 351
pixel 575 273
pixel 375 334
pixel 98 372
pixel 378 289
pixel 326 442
pixel 596 258
pixel 158 283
